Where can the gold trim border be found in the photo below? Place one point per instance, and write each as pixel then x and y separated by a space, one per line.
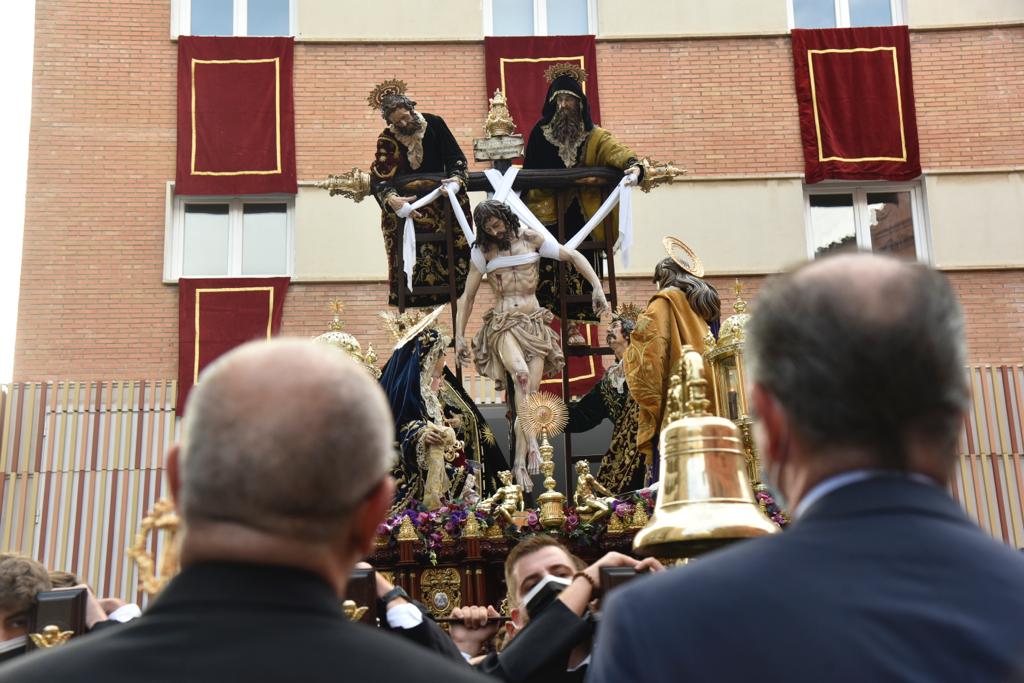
pixel 899 102
pixel 511 60
pixel 277 113
pixel 219 290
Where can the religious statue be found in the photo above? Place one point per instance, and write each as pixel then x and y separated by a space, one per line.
pixel 440 432
pixel 589 506
pixel 415 142
pixel 470 495
pixel 508 498
pixel 684 311
pixel 566 137
pixel 622 467
pixel 516 337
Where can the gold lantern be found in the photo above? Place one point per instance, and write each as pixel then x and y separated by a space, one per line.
pixel 705 499
pixel 725 357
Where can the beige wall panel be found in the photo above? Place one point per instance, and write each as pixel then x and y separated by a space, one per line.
pixel 338 239
pixel 688 17
pixel 749 226
pixel 391 20
pixel 977 220
pixel 949 12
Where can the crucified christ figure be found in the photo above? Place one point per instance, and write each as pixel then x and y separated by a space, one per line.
pixel 516 337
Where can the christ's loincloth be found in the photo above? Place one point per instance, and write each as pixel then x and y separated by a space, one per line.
pixel 531 332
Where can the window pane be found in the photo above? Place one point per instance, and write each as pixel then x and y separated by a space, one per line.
pixel 870 13
pixel 832 223
pixel 814 13
pixel 212 18
pixel 265 239
pixel 205 250
pixel 892 224
pixel 567 18
pixel 268 18
pixel 512 17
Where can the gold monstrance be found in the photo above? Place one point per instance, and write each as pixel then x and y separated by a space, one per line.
pixel 546 416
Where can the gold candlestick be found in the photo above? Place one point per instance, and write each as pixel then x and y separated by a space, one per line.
pixel 546 415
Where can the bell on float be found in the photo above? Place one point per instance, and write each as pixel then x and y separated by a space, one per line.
pixel 705 499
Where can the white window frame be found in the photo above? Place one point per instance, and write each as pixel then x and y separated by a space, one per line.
pixel 842 9
pixel 174 232
pixel 540 17
pixel 181 17
pixel 862 217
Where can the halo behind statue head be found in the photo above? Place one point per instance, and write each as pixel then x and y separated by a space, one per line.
pixel 429 320
pixel 545 412
pixel 574 71
pixel 392 86
pixel 683 256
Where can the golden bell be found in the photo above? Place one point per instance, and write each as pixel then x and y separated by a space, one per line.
pixel 705 499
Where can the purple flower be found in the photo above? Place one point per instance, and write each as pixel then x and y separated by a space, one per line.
pixel 625 510
pixel 531 518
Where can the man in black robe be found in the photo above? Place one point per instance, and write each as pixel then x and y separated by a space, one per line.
pixel 415 142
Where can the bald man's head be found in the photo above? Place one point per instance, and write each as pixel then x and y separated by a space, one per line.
pixel 285 437
pixel 863 351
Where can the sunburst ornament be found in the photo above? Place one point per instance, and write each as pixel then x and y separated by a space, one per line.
pixel 574 71
pixel 684 257
pixel 545 414
pixel 628 311
pixel 392 86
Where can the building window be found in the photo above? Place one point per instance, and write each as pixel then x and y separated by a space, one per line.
pixel 233 17
pixel 887 219
pixel 539 17
pixel 844 13
pixel 229 237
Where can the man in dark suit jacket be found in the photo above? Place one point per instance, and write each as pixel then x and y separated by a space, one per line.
pixel 281 479
pixel 858 385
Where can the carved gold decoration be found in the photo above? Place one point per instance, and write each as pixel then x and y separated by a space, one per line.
pixel 658 173
pixel 392 86
pixel 499 120
pixel 508 498
pixel 352 611
pixel 446 537
pixel 442 590
pixel 546 415
pixel 627 311
pixel 684 257
pixel 336 336
pixel 388 576
pixel 640 517
pixel 615 526
pixel 51 636
pixel 494 533
pixel 471 529
pixel 590 506
pixel 407 532
pixel 355 184
pixel 575 71
pixel 161 518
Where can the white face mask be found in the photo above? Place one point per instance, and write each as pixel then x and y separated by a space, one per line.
pixel 13 644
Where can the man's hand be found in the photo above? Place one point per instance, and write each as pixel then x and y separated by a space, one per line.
pixel 461 351
pixel 599 303
pixel 474 631
pixel 614 559
pixel 455 421
pixel 457 182
pixel 396 203
pixel 634 173
pixel 94 612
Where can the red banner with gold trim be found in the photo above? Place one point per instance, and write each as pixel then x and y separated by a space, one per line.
pixel 217 314
pixel 856 99
pixel 236 116
pixel 516 65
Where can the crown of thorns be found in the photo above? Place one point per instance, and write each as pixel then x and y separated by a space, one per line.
pixel 389 87
pixel 574 71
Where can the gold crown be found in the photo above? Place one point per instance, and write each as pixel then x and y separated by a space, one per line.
pixel 406 326
pixel 575 71
pixel 392 86
pixel 628 312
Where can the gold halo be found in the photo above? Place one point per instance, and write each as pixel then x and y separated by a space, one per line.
pixel 426 321
pixel 544 412
pixel 391 86
pixel 687 260
pixel 627 311
pixel 575 71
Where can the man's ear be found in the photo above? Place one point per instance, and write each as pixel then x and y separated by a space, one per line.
pixel 772 424
pixel 370 514
pixel 512 625
pixel 174 474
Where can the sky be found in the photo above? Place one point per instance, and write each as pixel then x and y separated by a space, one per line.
pixel 16 51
